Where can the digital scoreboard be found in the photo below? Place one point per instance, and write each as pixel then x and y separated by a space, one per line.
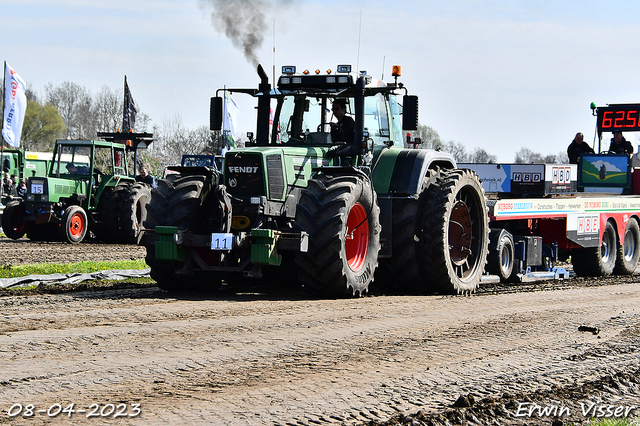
pixel 623 117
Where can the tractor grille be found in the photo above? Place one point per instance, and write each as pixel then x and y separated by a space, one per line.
pixel 244 175
pixel 275 176
pixel 64 189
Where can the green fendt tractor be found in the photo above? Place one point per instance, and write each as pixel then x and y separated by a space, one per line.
pixel 87 188
pixel 300 205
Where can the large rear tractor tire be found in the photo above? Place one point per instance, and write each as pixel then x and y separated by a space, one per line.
pixel 13 223
pixel 628 249
pixel 74 224
pixel 133 212
pixel 342 218
pixel 108 228
pixel 597 261
pixel 400 273
pixel 453 234
pixel 175 204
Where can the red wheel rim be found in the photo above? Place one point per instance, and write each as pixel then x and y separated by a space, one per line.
pixel 357 241
pixel 460 233
pixel 76 225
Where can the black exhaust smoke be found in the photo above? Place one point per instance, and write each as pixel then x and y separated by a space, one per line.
pixel 243 22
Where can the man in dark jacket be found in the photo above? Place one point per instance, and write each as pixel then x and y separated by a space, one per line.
pixel 577 148
pixel 145 177
pixel 619 144
pixel 344 129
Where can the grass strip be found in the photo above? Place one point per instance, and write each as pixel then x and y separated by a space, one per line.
pixel 83 267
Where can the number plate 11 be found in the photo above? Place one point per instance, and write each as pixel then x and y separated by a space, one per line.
pixel 221 241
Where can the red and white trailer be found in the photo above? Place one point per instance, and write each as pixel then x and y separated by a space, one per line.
pixel 589 212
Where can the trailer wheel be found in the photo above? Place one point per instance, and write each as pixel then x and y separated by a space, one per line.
pixel 597 261
pixel 342 218
pixel 133 212
pixel 628 250
pixel 13 223
pixel 176 204
pixel 74 224
pixel 453 234
pixel 501 259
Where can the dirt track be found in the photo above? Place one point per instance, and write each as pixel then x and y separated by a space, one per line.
pixel 25 251
pixel 260 359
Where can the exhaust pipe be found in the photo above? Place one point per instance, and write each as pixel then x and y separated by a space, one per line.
pixel 264 108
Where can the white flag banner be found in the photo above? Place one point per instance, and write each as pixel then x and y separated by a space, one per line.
pixel 15 106
pixel 231 115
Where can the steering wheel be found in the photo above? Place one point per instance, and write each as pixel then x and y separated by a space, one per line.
pixel 320 127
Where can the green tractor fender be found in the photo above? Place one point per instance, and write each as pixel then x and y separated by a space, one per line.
pixel 401 171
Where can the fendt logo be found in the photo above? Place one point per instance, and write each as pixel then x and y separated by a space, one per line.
pixel 243 169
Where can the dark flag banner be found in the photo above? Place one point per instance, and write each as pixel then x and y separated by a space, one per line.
pixel 130 111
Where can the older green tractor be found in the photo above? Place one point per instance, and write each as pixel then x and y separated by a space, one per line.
pixel 87 188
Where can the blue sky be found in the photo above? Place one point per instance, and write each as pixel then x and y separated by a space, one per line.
pixel 498 75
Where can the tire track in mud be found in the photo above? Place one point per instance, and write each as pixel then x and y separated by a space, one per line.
pixel 258 359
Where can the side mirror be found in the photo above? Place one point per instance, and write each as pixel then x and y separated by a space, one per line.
pixel 409 112
pixel 215 113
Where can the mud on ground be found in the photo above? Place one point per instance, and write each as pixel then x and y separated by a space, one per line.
pixel 25 251
pixel 272 358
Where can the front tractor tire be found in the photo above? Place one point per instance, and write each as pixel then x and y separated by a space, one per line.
pixel 174 204
pixel 342 218
pixel 74 224
pixel 453 233
pixel 13 223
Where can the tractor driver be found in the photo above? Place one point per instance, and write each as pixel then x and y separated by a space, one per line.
pixel 344 130
pixel 82 170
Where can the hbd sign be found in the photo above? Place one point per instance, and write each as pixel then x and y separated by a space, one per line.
pixel 561 175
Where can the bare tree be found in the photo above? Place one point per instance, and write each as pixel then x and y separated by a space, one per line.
pixel 527 156
pixel 174 140
pixel 73 103
pixel 458 151
pixel 108 109
pixel 479 155
pixel 429 136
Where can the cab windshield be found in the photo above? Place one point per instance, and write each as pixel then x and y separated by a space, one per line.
pixel 72 160
pixel 305 119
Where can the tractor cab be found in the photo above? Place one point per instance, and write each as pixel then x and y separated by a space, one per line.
pixel 300 112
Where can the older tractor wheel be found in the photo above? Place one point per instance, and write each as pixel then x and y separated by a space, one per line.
pixel 13 223
pixel 74 224
pixel 108 227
